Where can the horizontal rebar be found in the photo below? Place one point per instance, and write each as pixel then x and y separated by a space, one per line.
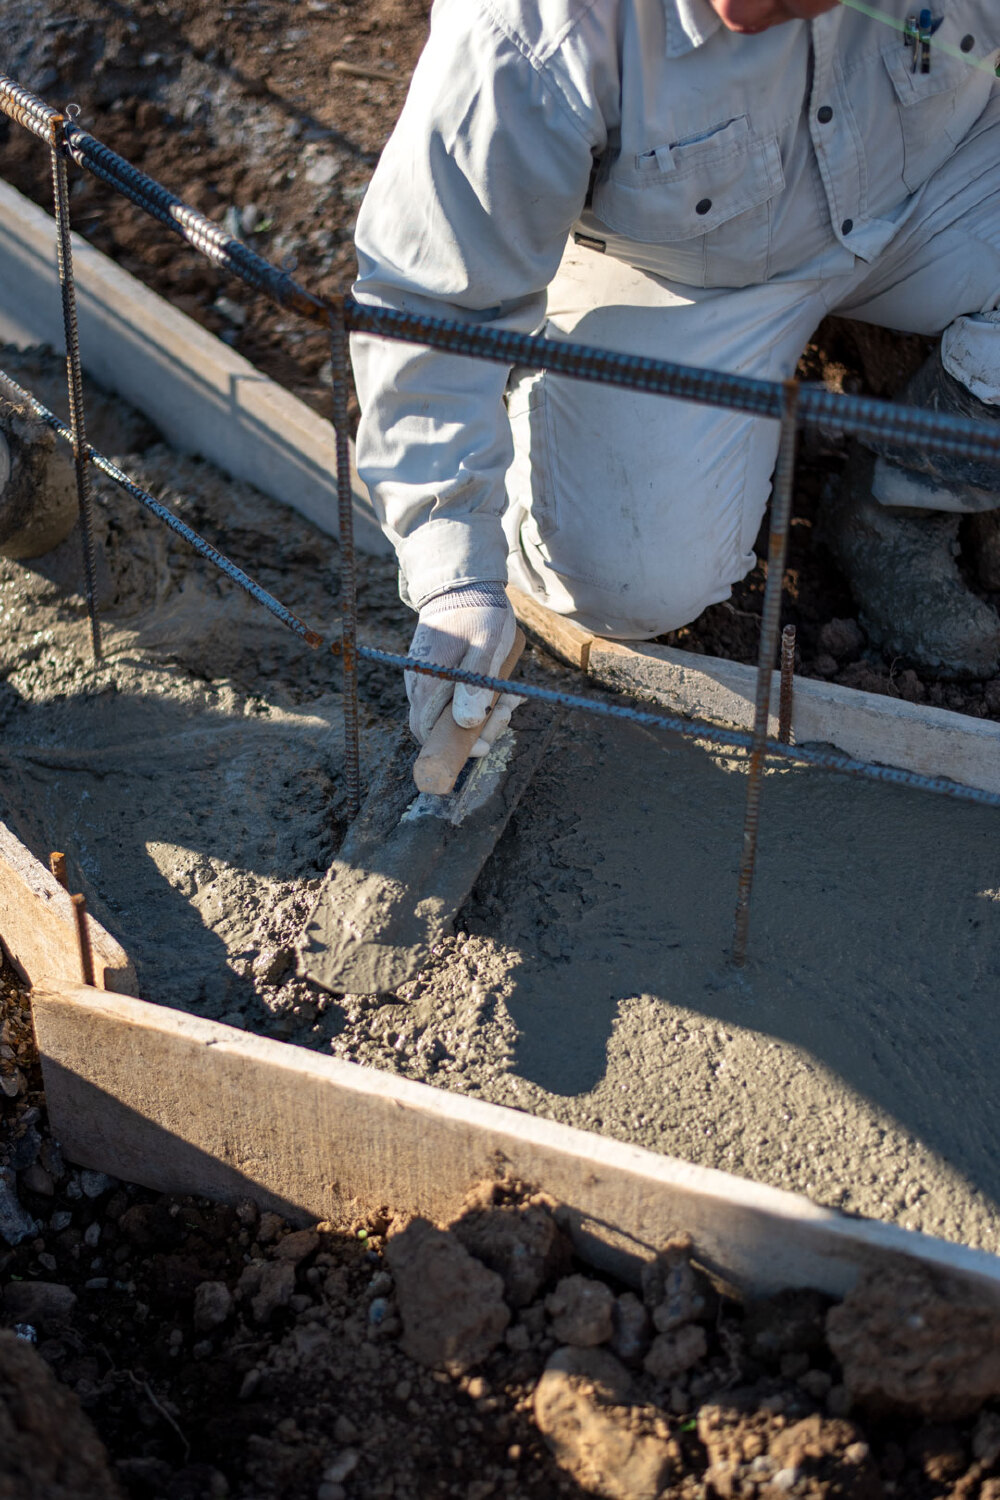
pixel 692 729
pixel 204 548
pixel 864 417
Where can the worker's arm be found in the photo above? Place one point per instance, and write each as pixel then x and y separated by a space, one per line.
pixel 466 218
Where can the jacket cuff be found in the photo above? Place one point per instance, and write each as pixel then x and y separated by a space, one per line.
pixel 443 554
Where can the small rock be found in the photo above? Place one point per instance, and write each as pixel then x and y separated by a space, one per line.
pixel 35 1179
pixel 269 1228
pixel 838 1402
pixel 630 1332
pixel 345 1463
pixel 671 1354
pixel 674 1291
pixel 15 1221
pixel 840 638
pixel 60 1220
pixel 277 1283
pixel 792 1322
pixel 581 1309
pixel 582 1413
pixel 92 1235
pixel 41 1302
pixel 295 1247
pixel 451 1306
pixel 231 311
pixel 96 1284
pixel 25 1150
pixel 344 1430
pixel 213 1302
pixel 521 1241
pixel 328 1491
pixel 271 965
pixel 785 1480
pixel 94 1184
pixel 816 1383
pixel 986 1439
pixel 321 171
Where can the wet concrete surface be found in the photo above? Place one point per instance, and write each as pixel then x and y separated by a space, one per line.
pixel 195 781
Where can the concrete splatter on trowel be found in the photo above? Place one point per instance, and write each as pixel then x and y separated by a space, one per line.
pixel 409 862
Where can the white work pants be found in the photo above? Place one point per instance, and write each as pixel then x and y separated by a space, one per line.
pixel 629 513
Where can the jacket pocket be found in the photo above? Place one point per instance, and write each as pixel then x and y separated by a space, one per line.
pixel 936 109
pixel 708 195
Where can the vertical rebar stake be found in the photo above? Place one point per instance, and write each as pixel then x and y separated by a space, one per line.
pixel 781 509
pixel 83 939
pixel 60 195
pixel 348 567
pixel 787 698
pixel 57 864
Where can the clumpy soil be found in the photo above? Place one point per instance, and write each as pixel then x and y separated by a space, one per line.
pixel 204 1351
pixel 252 113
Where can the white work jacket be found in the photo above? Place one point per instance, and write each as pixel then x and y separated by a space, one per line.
pixel 653 134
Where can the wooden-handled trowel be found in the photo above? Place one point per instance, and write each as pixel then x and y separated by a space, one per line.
pixel 409 862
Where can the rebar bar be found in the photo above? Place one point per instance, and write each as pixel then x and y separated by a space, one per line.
pixel 864 417
pixel 211 554
pixel 694 729
pixel 348 564
pixel 57 864
pixel 83 939
pixel 74 375
pixel 781 515
pixel 786 698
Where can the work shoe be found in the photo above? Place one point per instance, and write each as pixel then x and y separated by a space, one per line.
pixel 933 389
pixel 901 568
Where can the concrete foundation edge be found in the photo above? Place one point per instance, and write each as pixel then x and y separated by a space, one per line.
pixel 186 1105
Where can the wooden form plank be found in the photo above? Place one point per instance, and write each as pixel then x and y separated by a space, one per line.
pixel 203 396
pixel 186 1105
pixel 38 926
pixel 915 736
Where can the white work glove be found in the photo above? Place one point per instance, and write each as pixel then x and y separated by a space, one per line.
pixel 471 627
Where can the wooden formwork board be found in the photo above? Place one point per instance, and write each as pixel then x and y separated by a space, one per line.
pixel 913 736
pixel 186 1105
pixel 203 396
pixel 38 925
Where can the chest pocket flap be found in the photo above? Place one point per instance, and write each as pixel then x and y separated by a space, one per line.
pixel 674 192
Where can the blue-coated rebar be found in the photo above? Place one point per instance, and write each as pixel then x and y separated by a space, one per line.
pixel 200 545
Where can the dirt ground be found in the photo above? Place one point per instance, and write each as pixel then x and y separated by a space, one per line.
pixel 253 115
pixel 203 1351
pixel 196 784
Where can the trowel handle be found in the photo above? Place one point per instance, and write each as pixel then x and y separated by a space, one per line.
pixel 448 746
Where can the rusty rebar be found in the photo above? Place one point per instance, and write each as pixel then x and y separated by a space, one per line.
pixel 57 864
pixel 74 376
pixel 787 689
pixel 83 939
pixel 781 511
pixel 348 563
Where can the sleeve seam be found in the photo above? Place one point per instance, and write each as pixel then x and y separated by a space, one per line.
pixel 539 65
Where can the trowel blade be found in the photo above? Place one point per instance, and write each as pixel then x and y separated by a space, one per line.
pixel 409 862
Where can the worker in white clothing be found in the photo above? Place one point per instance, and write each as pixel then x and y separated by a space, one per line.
pixel 699 181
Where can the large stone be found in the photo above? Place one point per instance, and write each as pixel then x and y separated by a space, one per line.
pixel 913 1342
pixel 41 1302
pixel 672 1354
pixel 50 1450
pixel 451 1306
pixel 610 1448
pixel 15 1221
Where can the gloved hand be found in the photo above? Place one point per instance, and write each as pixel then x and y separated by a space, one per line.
pixel 472 627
